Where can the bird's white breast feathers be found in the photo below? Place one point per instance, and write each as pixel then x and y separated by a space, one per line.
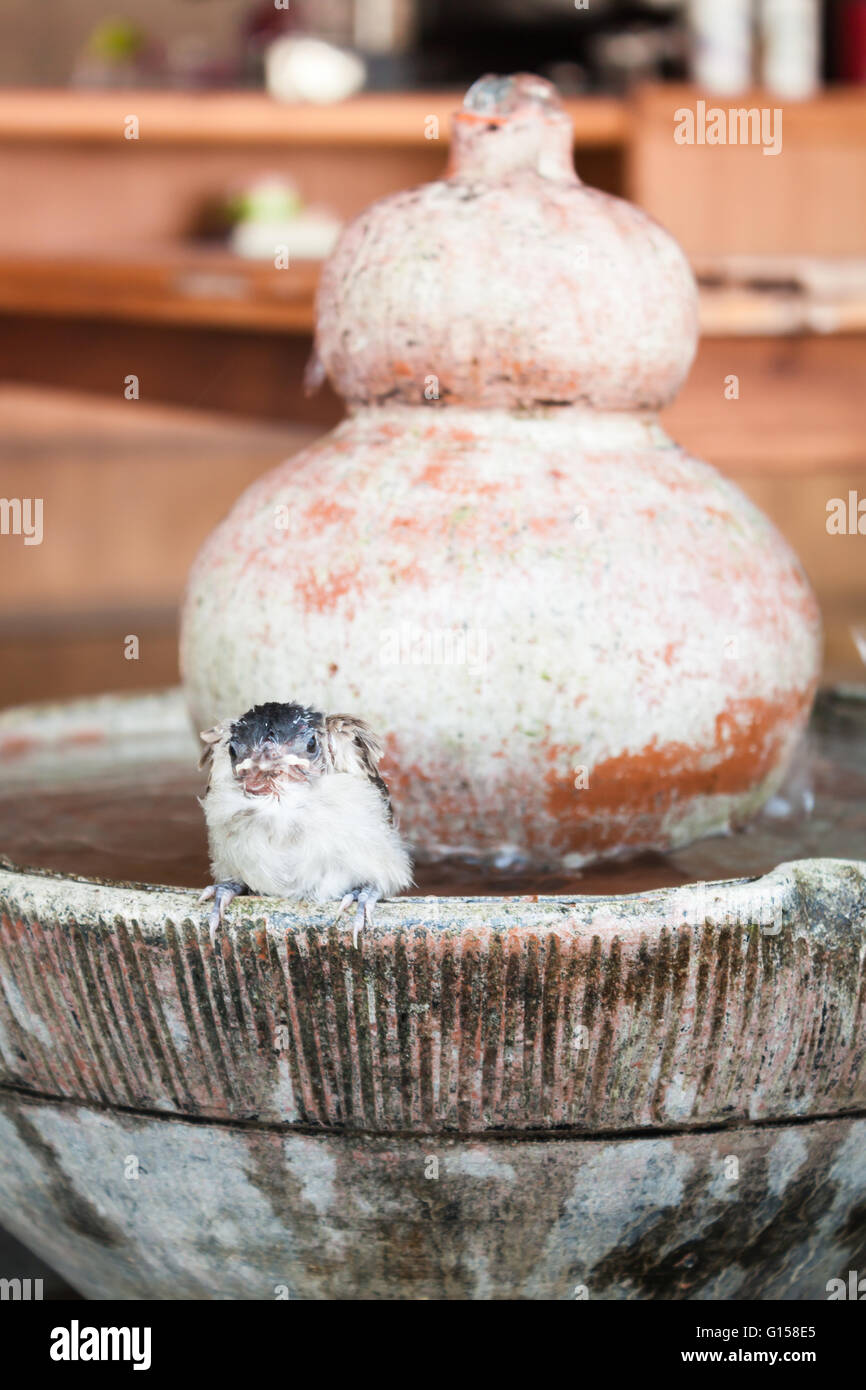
pixel 318 840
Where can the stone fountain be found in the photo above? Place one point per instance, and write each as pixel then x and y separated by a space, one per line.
pixel 584 645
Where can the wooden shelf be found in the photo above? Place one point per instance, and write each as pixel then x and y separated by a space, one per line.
pixel 388 119
pixel 175 285
pixel 396 119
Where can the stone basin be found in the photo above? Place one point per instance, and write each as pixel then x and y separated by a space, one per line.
pixel 644 1085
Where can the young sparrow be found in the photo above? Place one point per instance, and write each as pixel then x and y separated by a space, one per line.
pixel 295 807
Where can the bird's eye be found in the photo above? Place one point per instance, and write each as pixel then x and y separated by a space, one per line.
pixel 312 745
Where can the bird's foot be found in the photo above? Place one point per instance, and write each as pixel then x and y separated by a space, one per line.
pixel 222 894
pixel 366 896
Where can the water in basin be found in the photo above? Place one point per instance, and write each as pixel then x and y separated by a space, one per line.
pixel 139 821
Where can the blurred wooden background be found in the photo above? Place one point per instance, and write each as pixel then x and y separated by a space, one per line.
pixel 102 275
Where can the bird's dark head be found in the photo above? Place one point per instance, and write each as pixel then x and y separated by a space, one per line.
pixel 275 743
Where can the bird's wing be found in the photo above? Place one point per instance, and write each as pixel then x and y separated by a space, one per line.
pixel 210 738
pixel 353 747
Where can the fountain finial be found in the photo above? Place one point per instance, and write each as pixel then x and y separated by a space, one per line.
pixel 513 124
pixel 494 96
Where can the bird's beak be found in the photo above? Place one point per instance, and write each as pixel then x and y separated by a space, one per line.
pixel 261 773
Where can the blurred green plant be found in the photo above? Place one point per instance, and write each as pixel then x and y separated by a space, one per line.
pixel 116 41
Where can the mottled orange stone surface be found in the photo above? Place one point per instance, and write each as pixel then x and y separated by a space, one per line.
pixel 631 796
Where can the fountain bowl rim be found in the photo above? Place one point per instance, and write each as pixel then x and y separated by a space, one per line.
pixel 39 729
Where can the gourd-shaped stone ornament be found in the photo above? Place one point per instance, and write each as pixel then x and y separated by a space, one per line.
pixel 578 639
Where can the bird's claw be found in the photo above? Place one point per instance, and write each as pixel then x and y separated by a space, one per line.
pixel 222 894
pixel 366 897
